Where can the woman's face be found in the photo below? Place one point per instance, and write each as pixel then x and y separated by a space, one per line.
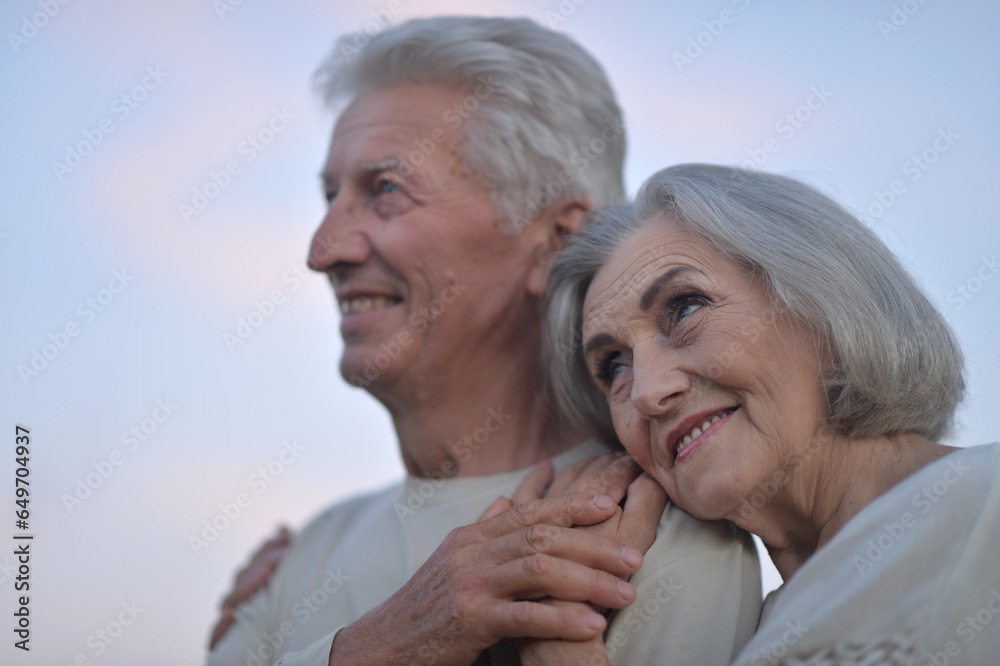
pixel 712 389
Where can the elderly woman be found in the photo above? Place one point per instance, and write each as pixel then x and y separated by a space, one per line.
pixel 768 361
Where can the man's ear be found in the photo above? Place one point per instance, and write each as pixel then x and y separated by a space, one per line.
pixel 551 230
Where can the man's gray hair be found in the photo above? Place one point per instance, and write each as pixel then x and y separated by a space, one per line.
pixel 541 118
pixel 897 366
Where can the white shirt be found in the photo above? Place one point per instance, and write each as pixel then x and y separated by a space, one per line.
pixel 698 591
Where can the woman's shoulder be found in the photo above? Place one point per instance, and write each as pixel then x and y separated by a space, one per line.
pixel 904 572
pixel 917 531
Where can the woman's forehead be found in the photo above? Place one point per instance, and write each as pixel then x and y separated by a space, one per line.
pixel 655 248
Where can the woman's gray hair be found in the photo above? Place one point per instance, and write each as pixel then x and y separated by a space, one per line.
pixel 897 366
pixel 541 118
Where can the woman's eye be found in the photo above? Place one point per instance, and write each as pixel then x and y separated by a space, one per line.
pixel 609 367
pixel 684 305
pixel 685 310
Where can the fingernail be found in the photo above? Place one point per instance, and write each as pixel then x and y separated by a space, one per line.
pixel 603 501
pixel 626 590
pixel 631 556
pixel 595 622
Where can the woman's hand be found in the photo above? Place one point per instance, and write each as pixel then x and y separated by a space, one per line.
pixel 251 578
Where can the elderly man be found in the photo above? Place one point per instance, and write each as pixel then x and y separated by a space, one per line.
pixel 469 150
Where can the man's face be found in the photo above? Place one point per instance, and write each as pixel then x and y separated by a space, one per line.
pixel 411 241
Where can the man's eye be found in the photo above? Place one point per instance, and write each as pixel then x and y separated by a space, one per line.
pixel 385 186
pixel 330 195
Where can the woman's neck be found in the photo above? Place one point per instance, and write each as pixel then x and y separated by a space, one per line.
pixel 830 487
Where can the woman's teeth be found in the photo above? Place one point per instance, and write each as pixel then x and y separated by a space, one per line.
pixel 356 305
pixel 696 432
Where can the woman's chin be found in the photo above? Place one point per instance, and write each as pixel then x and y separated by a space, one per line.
pixel 706 504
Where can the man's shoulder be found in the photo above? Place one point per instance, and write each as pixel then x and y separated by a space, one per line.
pixel 680 535
pixel 348 511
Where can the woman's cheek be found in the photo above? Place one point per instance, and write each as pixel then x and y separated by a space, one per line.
pixel 636 440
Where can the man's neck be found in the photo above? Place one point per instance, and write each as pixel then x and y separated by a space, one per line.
pixel 489 419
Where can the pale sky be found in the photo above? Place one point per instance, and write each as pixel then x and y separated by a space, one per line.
pixel 162 94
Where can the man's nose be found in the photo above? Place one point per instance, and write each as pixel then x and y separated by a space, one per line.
pixel 658 382
pixel 342 238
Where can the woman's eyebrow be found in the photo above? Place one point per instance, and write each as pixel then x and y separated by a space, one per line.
pixel 654 289
pixel 597 341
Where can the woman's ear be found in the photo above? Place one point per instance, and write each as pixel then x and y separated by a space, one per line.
pixel 551 230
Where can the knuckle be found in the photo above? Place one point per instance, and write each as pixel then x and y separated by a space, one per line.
pixel 599 581
pixel 453 539
pixel 539 538
pixel 537 566
pixel 521 615
pixel 526 513
pixel 461 606
pixel 578 503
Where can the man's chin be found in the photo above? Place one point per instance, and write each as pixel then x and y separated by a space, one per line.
pixel 364 367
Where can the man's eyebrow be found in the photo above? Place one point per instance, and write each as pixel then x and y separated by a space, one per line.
pixel 596 342
pixel 654 289
pixel 365 169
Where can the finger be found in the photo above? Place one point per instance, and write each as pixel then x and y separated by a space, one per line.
pixel 499 505
pixel 591 550
pixel 535 483
pixel 221 627
pixel 560 485
pixel 599 462
pixel 280 540
pixel 564 511
pixel 530 619
pixel 609 474
pixel 257 573
pixel 284 536
pixel 541 576
pixel 643 506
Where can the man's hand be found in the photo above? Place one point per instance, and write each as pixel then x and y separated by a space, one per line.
pixel 635 525
pixel 481 584
pixel 250 579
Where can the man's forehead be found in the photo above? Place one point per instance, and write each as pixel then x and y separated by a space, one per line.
pixel 408 125
pixel 395 112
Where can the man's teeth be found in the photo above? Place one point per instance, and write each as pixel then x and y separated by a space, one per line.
pixel 356 305
pixel 694 434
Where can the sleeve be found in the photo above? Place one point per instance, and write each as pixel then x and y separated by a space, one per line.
pixel 244 643
pixel 317 654
pixel 699 597
pixel 249 642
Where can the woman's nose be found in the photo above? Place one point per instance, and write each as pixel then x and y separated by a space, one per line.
pixel 658 382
